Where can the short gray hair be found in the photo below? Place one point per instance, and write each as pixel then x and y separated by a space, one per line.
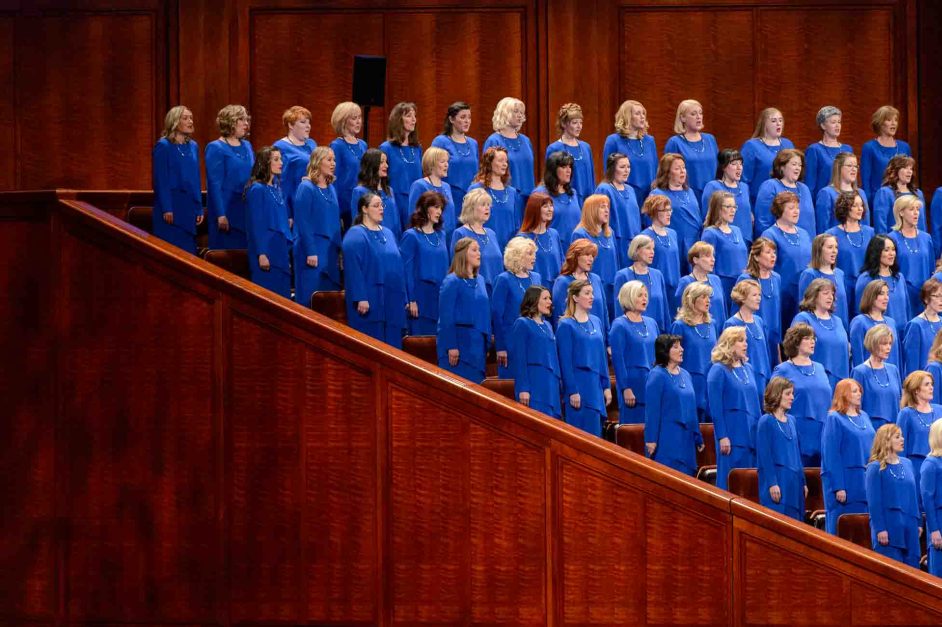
pixel 825 112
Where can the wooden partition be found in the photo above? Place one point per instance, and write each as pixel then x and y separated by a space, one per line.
pixel 181 447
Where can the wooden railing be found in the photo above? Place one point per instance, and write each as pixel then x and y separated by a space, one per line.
pixel 181 446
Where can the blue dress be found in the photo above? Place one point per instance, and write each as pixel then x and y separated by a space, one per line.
pixel 858 331
pixel 930 489
pixel 657 294
pixel 718 311
pixel 917 340
pixel 838 280
pixel 666 260
pixel 686 221
pixel 698 342
pixel 534 364
pixel 606 264
pixel 734 405
pixel 405 167
pixel 915 427
pixel 625 218
pixel 505 310
pixel 176 180
pixel 935 369
pixel 584 365
pixel 812 400
pixel 642 154
pixel 825 219
pixel 770 310
pixel 831 348
pixel 374 272
pixel 549 255
pixel 778 460
pixel 520 158
pixel 873 161
pixel 347 159
pixel 851 250
pixel 228 168
pixel 819 161
pixel 882 209
pixel 845 448
pixel 567 212
pixel 757 158
pixel 425 258
pixel 390 212
pixel 269 235
pixel 317 225
pixel 294 162
pixel 772 188
pixel 701 157
pixel 583 168
pixel 892 502
pixel 462 164
pixel 794 254
pixel 492 260
pixel 504 220
pixel 881 392
pixel 898 307
pixel 936 213
pixel 464 323
pixel 916 263
pixel 632 359
pixel 670 419
pixel 757 349
pixel 450 211
pixel 743 218
pixel 599 307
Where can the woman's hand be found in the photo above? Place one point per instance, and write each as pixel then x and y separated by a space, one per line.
pixel 726 446
pixel 199 219
pixel 650 447
pixel 363 307
pixel 223 223
pixel 312 261
pixel 806 491
pixel 883 538
pixel 775 493
pixel 453 355
pixel 413 309
pixel 525 398
pixel 607 396
pixel 168 217
pixel 502 358
pixel 575 400
pixel 629 397
pixel 841 496
pixel 936 539
pixel 263 263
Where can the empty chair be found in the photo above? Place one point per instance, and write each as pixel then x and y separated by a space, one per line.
pixel 630 437
pixel 855 528
pixel 141 218
pixel 424 347
pixel 706 459
pixel 235 261
pixel 330 304
pixel 504 387
pixel 744 482
pixel 814 502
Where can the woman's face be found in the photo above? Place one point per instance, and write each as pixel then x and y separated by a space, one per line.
pixel 855 396
pixel 905 174
pixel 754 300
pixel 434 214
pixel 740 349
pixel 857 209
pixel 882 301
pixel 664 215
pixel 883 349
pixel 354 123
pixel 546 212
pixel 910 214
pixel 896 442
pixel 806 346
pixel 327 166
pixel 701 304
pixel 728 210
pixel 849 170
pixel 705 262
pixel 441 168
pixel 639 118
pixel 604 212
pixel 641 301
pixel 935 301
pixel 482 211
pixel 573 127
pixel 383 166
pixel 677 175
pixel 824 300
pixel 774 125
pixel 693 119
pixel 462 121
pixel 889 126
pixel 792 170
pixel 474 256
pixel 622 171
pixel 645 254
pixel 767 258
pixel 499 164
pixel 926 390
pixel 409 120
pixel 733 171
pixel 832 126
pixel 829 251
pixel 186 125
pixel 676 354
pixel 585 298
pixel 790 213
pixel 888 256
pixel 788 397
pixel 585 262
pixel 241 128
pixel 275 162
pixel 519 116
pixel 564 174
pixel 529 258
pixel 545 304
pixel 375 209
pixel 301 129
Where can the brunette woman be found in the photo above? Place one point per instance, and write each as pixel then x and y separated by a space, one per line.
pixel 532 354
pixel 536 226
pixel 464 315
pixel 893 499
pixel 782 484
pixel 425 257
pixel 462 150
pixel 404 155
pixel 269 235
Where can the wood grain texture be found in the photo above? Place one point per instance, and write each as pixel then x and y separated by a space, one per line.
pixel 8 149
pixel 929 51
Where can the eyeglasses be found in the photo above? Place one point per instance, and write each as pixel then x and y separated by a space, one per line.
pixel 665 211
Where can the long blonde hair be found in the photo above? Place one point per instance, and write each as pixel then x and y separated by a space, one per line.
pixel 571 292
pixel 172 121
pixel 882 445
pixel 935 438
pixel 692 292
pixel 314 164
pixel 722 352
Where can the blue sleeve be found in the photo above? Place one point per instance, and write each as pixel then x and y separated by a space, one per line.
pixel 354 275
pixel 935 216
pixel 906 425
pixel 611 145
pixel 673 145
pixel 564 340
pixel 912 348
pixel 653 393
pixel 927 485
pixel 616 339
pixel 559 299
pixel 875 497
pixel 447 301
pixel 355 195
pixel 824 210
pixel 882 207
pixel 215 175
pixel 831 447
pixel 866 166
pixel 304 221
pixel 498 306
pixel 414 192
pixel 811 168
pixel 763 208
pixel 517 356
pixel 161 178
pixel 257 222
pixel 748 153
pixel 804 280
pixel 408 250
pixel 768 476
pixel 715 400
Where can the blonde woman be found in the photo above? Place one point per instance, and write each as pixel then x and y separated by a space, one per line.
pixel 435 169
pixel 695 326
pixel 843 181
pixel 475 211
pixel 701 260
pixel 632 340
pixel 509 116
pixel 782 484
pixel 347 122
pixel 404 154
pixel 464 315
pixel 914 247
pixel 876 153
pixel 569 121
pixel 595 227
pixel 759 151
pixel 917 413
pixel 930 488
pixel 509 289
pixel 823 265
pixel 892 499
pixel 178 204
pixel 747 295
pixel 698 148
pixel 632 140
pixel 763 255
pixel 229 162
pixel 879 379
pixel 728 240
pixel 317 227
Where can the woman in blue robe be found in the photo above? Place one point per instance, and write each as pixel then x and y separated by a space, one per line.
pixel 641 254
pixel 569 121
pixel 536 226
pixel 594 226
pixel 178 203
pixel 853 237
pixel 728 181
pixel 580 259
pixel 474 214
pixel 509 116
pixel 687 219
pixel 821 154
pixel 494 178
pixel 734 404
pixel 921 331
pixel 625 214
pixel 899 181
pixel 567 205
pixel 347 122
pixel 404 155
pixel 879 379
pixel 372 178
pixel 880 262
pixel 823 265
pixel 462 150
pixel 831 345
pixel 763 256
pixel 893 499
pixel 632 140
pixel 317 225
pixel 843 181
pixel 694 326
pixel 532 354
pixel 913 248
pixel 786 172
pixel 760 151
pixel 583 361
pixel 666 244
pixel 425 258
pixel 464 315
pixel 510 287
pixel 812 390
pixel 698 149
pixel 782 486
pixel 873 304
pixel 229 162
pixel 269 236
pixel 793 248
pixel 747 295
pixel 435 167
pixel 728 241
pixel 876 153
pixel 296 148
pixel 632 341
pixel 671 431
pixel 916 417
pixel 701 260
pixel 930 491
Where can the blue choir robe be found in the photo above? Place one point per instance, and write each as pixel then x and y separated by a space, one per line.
pixel 492 260
pixel 915 427
pixel 462 164
pixel 734 406
pixel 520 159
pixel 812 400
pixel 832 346
pixel 425 258
pixel 374 272
pixel 917 340
pixel 930 489
pixel 892 502
pixel 294 162
pixel 794 255
pixel 390 212
pixel 898 307
pixel 873 161
pixel 405 168
pixel 845 448
pixel 505 310
pixel 450 211
pixel 778 460
pixel 767 193
pixel 838 280
pixel 666 260
pixel 583 168
pixel 718 312
pixel 567 212
pixel 269 235
pixel 657 293
pixel 936 216
pixel 504 220
pixel 882 389
pixel 534 364
pixel 228 168
pixel 317 225
pixel 819 162
pixel 935 369
pixel 916 262
pixel 770 310
pixel 584 366
pixel 743 217
pixel 851 250
pixel 858 331
pixel 177 190
pixel 632 359
pixel 670 419
pixel 757 347
pixel 642 154
pixel 882 209
pixel 757 158
pixel 625 218
pixel 824 208
pixel 698 342
pixel 549 255
pixel 464 323
pixel 731 254
pixel 347 159
pixel 606 264
pixel 686 221
pixel 701 158
pixel 599 307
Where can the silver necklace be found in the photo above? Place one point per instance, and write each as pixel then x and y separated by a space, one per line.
pixel 744 380
pixel 693 144
pixel 458 149
pixel 873 375
pixel 807 374
pixel 821 322
pixel 403 155
pixel 378 235
pixel 438 238
pixel 786 431
pixel 900 476
pixel 678 379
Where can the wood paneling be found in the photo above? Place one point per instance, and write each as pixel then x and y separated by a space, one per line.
pixel 929 158
pixel 8 150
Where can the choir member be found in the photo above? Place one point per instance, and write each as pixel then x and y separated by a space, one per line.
pixel 632 340
pixel 404 155
pixel 880 262
pixel 729 181
pixel 934 367
pixel 494 178
pixel 820 155
pixel 878 378
pixel 843 181
pixel 557 183
pixel 269 236
pixel 474 213
pixel 930 489
pixel 702 260
pixel 625 213
pixel 347 121
pixel 580 259
pixel 916 416
pixel 435 168
pixel 178 202
pixel 317 227
pixel 509 116
pixel 671 431
pixel 535 225
pixel 823 265
pixel 812 390
pixel 936 217
pixel 425 257
pixel 641 254
pixel 509 289
pixel 920 332
pixel 694 326
pixel 763 256
pixel 580 339
pixel 873 303
pixel 666 244
pixel 876 153
pixel 698 149
pixel 532 354
pixel 374 178
pixel 464 315
pixel 374 275
pixel 782 486
pixel 229 162
pixel 462 150
pixel 831 346
pixel 853 237
pixel 727 239
pixel 759 151
pixel 899 180
pixel 914 249
pixel 734 404
pixel 631 139
pixel 296 148
pixel 786 172
pixel 892 499
pixel 793 246
pixel 845 447
pixel 671 182
pixel 594 226
pixel 569 122
pixel 747 294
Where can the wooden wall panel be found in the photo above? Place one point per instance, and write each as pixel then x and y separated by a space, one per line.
pixel 8 150
pixel 929 51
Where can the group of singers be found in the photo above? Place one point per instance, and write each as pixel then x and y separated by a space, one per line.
pixel 723 285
